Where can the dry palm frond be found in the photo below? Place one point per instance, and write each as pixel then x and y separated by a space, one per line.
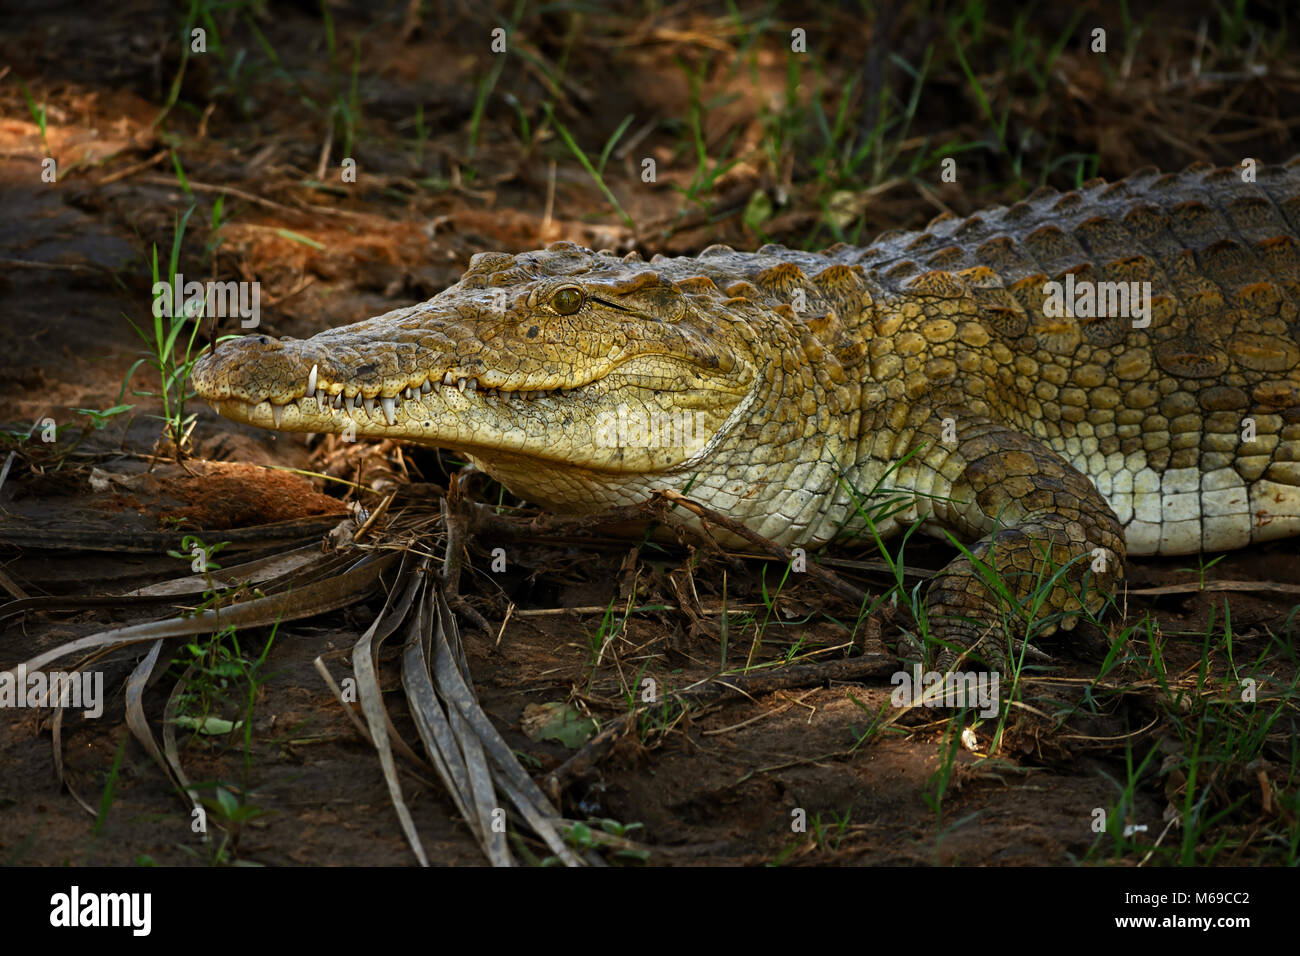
pixel 467 752
pixel 481 774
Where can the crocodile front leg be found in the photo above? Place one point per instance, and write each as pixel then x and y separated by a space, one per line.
pixel 1029 514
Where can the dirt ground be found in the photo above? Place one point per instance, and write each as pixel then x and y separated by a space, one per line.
pixel 457 156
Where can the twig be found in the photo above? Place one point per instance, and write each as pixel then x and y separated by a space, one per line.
pixel 550 200
pixel 1279 587
pixel 501 633
pixel 52 266
pixel 324 159
pixel 133 169
pixel 757 717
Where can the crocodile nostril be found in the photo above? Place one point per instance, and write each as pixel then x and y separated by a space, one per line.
pixel 262 340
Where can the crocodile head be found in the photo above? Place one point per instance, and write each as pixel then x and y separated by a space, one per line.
pixel 553 370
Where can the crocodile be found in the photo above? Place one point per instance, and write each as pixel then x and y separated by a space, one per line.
pixel 986 377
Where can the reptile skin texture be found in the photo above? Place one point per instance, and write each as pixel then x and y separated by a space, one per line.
pixel 930 378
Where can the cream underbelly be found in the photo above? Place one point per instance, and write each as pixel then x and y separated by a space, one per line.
pixel 1185 510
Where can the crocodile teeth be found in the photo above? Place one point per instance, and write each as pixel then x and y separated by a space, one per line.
pixel 407 393
pixel 277 412
pixel 311 380
pixel 338 400
pixel 390 413
pixel 370 406
pixel 471 384
pixel 351 401
pixel 426 387
pixel 448 380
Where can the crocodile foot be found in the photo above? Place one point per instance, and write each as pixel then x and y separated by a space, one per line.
pixel 1046 546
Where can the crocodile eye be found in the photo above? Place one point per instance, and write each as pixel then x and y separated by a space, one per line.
pixel 567 301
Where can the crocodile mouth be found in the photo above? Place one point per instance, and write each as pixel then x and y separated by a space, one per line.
pixel 338 398
pixel 325 405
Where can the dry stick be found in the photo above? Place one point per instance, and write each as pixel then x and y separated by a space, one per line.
pixel 504 621
pixel 323 162
pixel 1279 587
pixel 360 728
pixel 459 522
pixel 375 516
pixel 582 763
pixel 789 703
pixel 550 200
pixel 4 472
pixel 602 608
pixel 132 170
pixel 11 586
pixel 231 190
pixel 50 266
pixel 55 537
pixel 453 555
pixel 306 208
pixel 485 520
